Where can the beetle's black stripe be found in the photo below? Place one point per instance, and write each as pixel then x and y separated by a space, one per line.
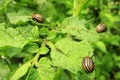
pixel 88 64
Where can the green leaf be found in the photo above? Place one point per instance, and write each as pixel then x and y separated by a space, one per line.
pixel 43 31
pixel 61 75
pixel 46 8
pixel 31 48
pixel 89 35
pixel 13 40
pixel 68 54
pixel 21 71
pixel 101 45
pixel 4 69
pixel 33 75
pixel 116 75
pixel 58 74
pixel 35 31
pixel 73 25
pixel 110 17
pixel 10 51
pixel 15 18
pixel 15 37
pixel 43 50
pixel 77 28
pixel 45 70
pixel 116 59
pixel 114 40
pixel 102 77
pixel 51 35
pixel 85 76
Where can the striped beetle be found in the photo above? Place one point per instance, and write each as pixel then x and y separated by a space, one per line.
pixel 101 28
pixel 38 17
pixel 88 64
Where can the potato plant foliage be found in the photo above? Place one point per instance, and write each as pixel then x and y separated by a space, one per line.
pixel 55 48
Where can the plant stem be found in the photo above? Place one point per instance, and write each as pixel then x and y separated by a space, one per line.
pixel 35 59
pixel 75 8
pixel 78 5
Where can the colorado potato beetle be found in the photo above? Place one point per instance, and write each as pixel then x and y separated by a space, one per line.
pixel 38 17
pixel 101 28
pixel 88 64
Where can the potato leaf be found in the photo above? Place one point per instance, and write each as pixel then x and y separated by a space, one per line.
pixel 77 28
pixel 16 18
pixel 13 40
pixel 21 71
pixel 45 70
pixel 15 37
pixel 33 75
pixel 68 54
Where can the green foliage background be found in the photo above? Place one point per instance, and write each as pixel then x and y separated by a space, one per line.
pixel 54 50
